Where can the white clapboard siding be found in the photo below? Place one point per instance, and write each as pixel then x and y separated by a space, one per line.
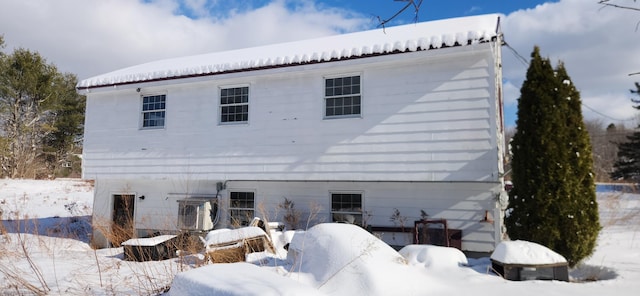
pixel 462 204
pixel 425 117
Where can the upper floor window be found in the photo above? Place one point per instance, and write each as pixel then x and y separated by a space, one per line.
pixel 153 111
pixel 346 208
pixel 234 104
pixel 241 208
pixel 342 97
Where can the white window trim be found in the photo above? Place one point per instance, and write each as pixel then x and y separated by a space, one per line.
pixel 218 97
pixel 324 98
pixel 141 112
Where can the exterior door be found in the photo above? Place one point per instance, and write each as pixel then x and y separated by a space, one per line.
pixel 122 222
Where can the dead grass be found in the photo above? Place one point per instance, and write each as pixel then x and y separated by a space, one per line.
pixel 24 243
pixel 29 278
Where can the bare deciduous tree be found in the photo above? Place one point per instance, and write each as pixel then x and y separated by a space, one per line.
pixel 604 142
pixel 410 3
pixel 617 5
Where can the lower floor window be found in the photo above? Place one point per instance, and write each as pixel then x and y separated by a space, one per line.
pixel 346 208
pixel 241 208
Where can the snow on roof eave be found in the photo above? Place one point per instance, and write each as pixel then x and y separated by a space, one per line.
pixel 392 40
pixel 249 69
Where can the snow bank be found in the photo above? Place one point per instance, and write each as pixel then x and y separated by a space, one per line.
pixel 72 267
pixel 344 259
pixel 45 198
pixel 523 252
pixel 325 249
pixel 434 257
pixel 236 279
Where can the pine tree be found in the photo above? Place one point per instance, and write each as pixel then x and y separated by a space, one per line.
pixel 67 116
pixel 34 102
pixel 553 199
pixel 578 218
pixel 627 167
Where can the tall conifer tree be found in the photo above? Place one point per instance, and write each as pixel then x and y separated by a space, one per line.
pixel 553 199
pixel 627 167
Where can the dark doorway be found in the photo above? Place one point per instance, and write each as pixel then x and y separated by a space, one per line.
pixel 122 223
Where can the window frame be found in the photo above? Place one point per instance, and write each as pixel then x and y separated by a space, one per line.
pixel 143 111
pixel 233 219
pixel 359 219
pixel 327 97
pixel 221 106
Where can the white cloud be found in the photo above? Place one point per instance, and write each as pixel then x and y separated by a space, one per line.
pixel 473 10
pixel 510 92
pixel 90 37
pixel 598 46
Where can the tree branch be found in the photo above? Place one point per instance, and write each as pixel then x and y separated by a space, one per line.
pixel 606 3
pixel 410 3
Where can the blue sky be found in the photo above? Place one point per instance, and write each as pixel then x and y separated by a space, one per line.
pixel 598 45
pixel 435 9
pixel 430 9
pixel 384 9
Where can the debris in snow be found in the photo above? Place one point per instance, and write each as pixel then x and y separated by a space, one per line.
pixel 227 246
pixel 72 267
pixel 522 260
pixel 149 241
pixel 524 252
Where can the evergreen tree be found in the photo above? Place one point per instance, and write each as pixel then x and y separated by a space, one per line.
pixel 34 99
pixel 67 116
pixel 578 218
pixel 553 197
pixel 627 167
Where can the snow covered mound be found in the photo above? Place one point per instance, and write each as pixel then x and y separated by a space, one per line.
pixel 236 279
pixel 327 259
pixel 523 252
pixel 344 259
pixel 326 249
pixel 434 257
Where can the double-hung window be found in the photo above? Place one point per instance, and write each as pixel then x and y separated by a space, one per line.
pixel 241 208
pixel 234 104
pixel 346 208
pixel 342 97
pixel 153 111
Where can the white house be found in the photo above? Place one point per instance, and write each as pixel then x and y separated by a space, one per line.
pixel 374 128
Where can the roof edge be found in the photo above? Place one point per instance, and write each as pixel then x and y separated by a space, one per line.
pixel 394 40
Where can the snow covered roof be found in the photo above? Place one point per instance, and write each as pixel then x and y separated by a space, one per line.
pixel 412 37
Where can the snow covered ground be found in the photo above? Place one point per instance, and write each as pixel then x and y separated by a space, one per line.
pixel 44 249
